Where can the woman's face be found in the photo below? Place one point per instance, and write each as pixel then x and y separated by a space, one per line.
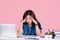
pixel 29 19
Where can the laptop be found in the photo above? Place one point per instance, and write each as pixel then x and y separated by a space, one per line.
pixel 8 30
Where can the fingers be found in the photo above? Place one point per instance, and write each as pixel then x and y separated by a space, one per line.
pixel 23 21
pixel 34 21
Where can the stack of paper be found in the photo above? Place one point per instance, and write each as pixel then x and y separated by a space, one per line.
pixel 57 34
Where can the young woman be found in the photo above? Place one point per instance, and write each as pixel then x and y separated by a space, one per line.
pixel 29 25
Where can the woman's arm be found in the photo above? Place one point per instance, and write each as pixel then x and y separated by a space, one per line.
pixel 20 29
pixel 37 30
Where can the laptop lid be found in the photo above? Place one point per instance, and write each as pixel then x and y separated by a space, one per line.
pixel 8 30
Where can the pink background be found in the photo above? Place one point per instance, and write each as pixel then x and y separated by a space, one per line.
pixel 47 12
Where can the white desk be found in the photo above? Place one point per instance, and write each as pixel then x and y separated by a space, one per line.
pixel 26 38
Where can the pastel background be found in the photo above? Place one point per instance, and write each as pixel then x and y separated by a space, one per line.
pixel 46 11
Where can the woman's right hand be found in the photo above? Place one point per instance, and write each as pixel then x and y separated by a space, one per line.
pixel 22 21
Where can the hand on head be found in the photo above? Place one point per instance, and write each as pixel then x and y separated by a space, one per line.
pixel 34 21
pixel 22 21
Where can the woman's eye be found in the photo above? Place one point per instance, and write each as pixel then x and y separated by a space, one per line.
pixel 29 18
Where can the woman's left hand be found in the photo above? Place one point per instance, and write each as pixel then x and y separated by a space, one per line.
pixel 34 21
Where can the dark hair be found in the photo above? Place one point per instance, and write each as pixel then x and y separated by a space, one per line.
pixel 31 13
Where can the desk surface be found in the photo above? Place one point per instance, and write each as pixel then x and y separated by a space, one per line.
pixel 26 38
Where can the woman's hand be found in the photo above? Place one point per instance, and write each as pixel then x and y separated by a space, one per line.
pixel 34 21
pixel 22 21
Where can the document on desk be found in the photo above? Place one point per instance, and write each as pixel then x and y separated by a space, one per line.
pixel 30 37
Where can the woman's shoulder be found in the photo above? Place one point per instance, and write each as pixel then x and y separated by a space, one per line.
pixel 25 25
